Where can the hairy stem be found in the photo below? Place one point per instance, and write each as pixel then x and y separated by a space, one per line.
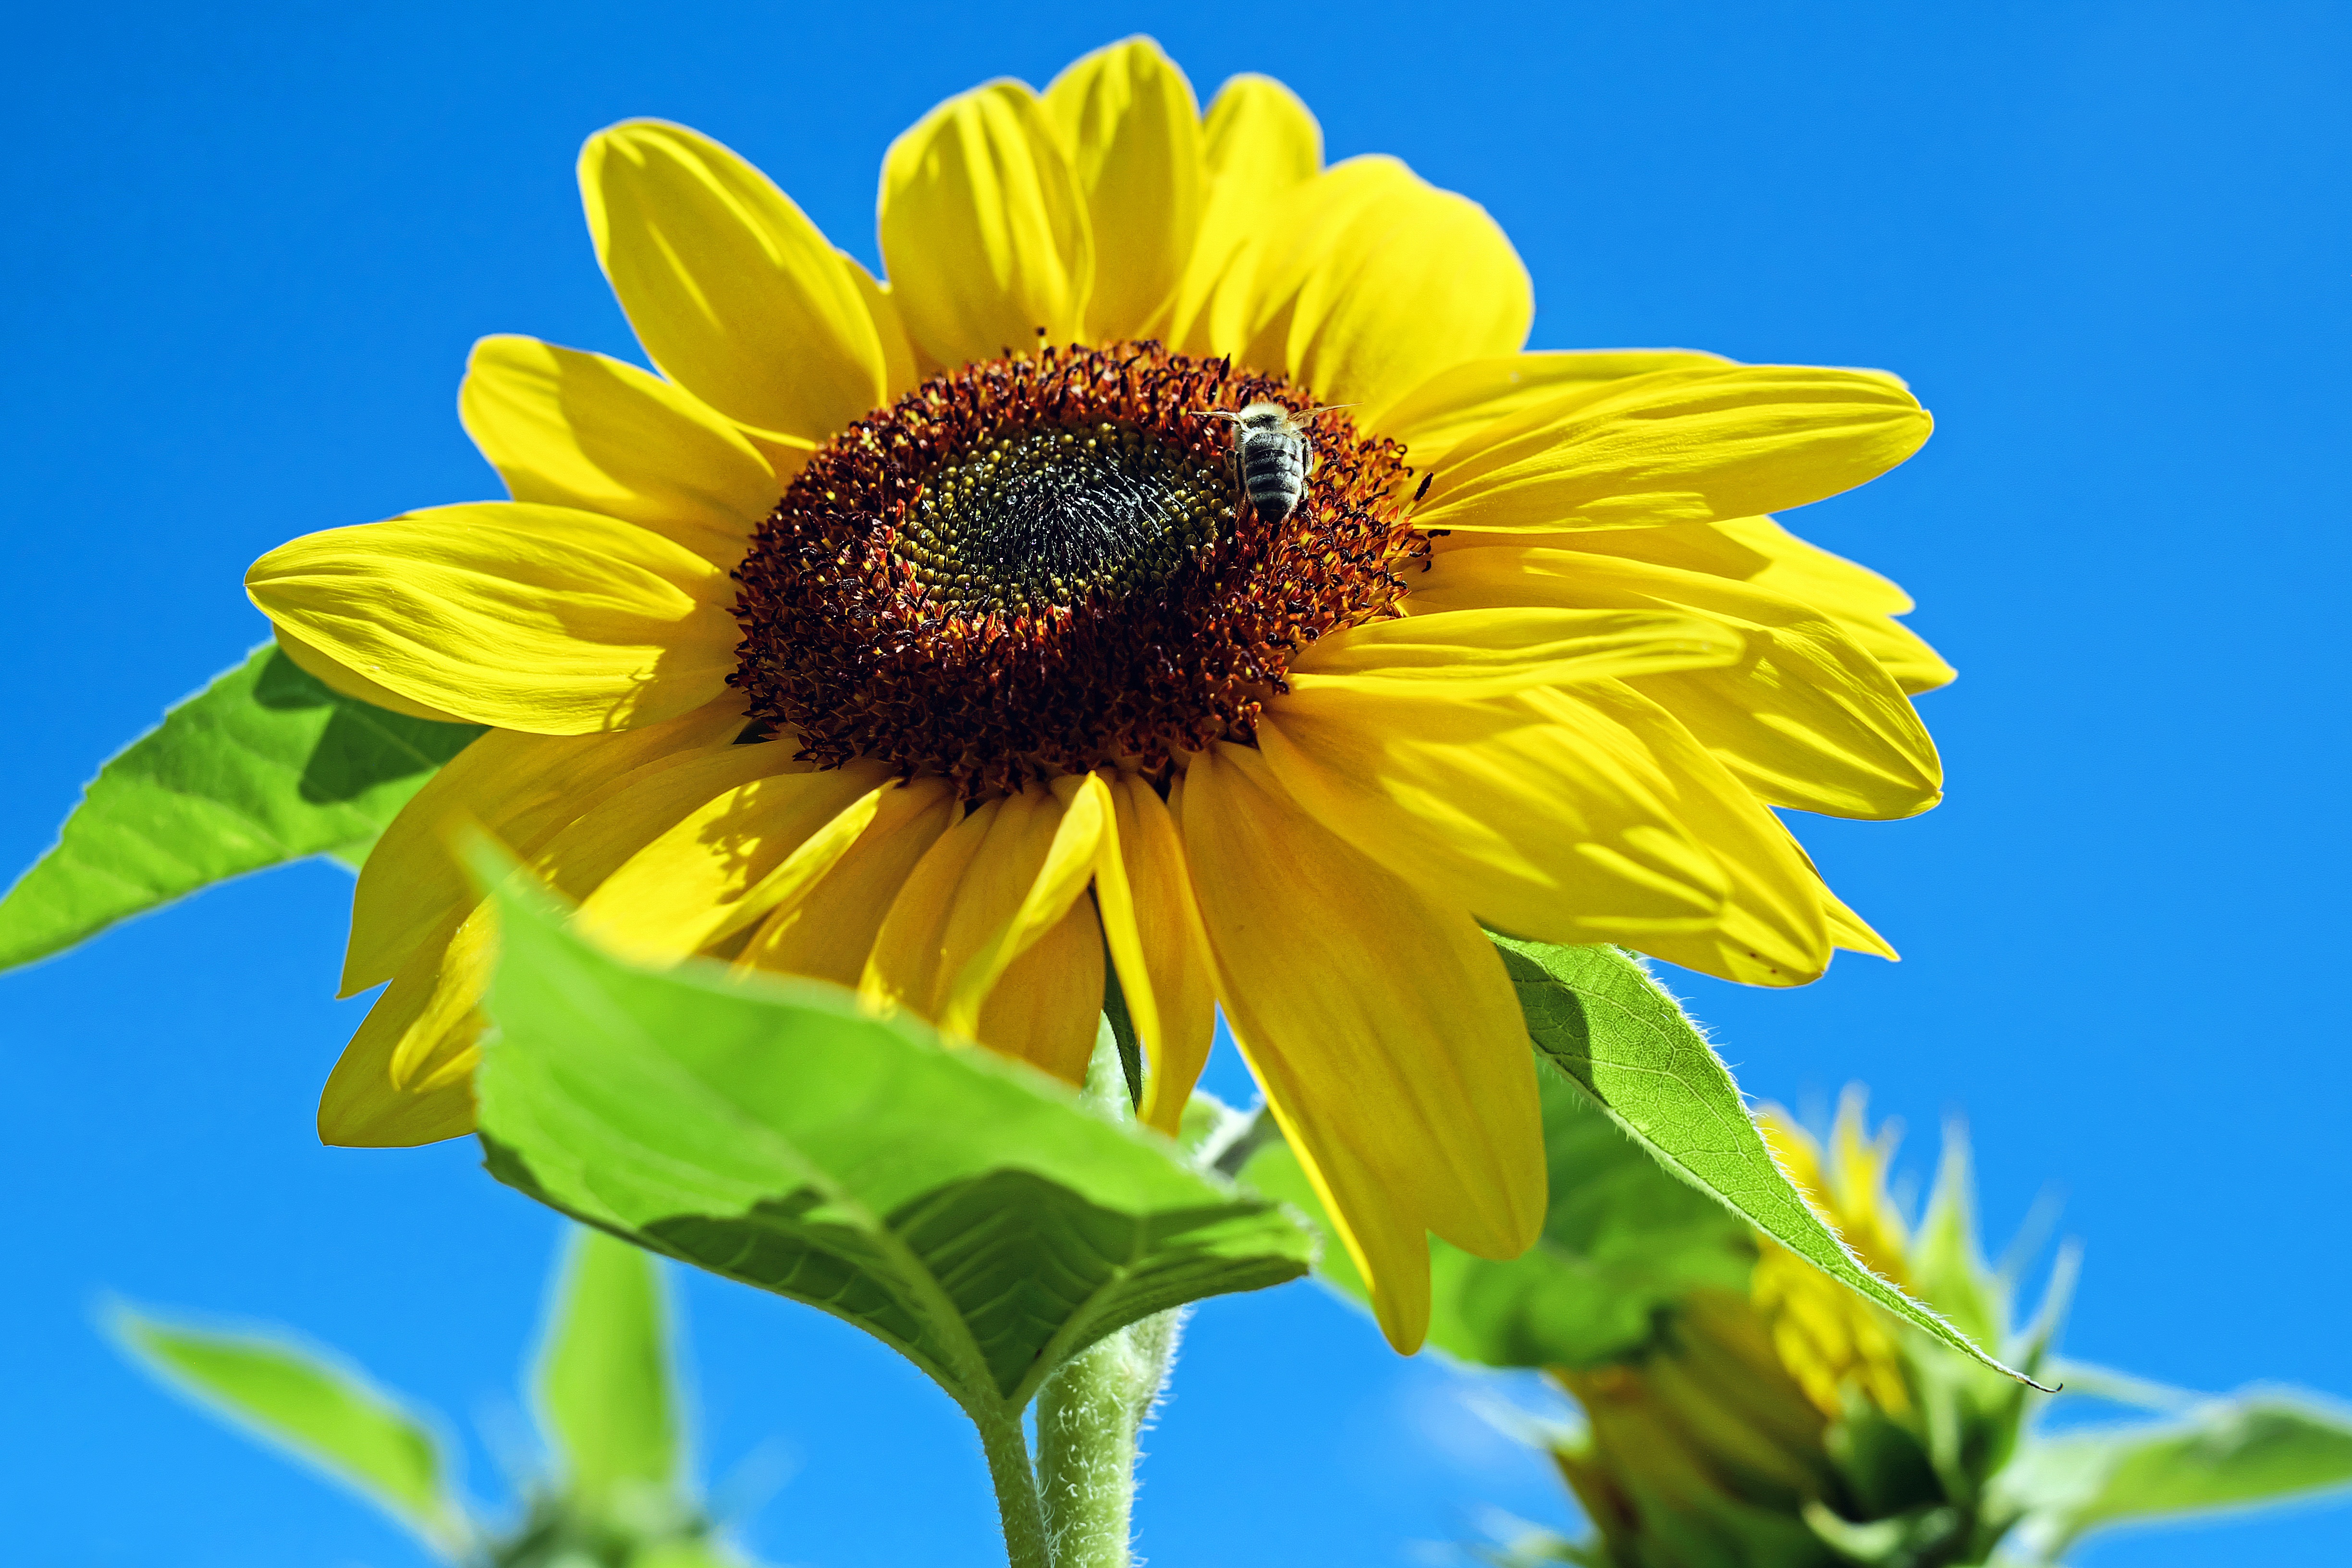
pixel 1088 1416
pixel 1091 1410
pixel 1016 1488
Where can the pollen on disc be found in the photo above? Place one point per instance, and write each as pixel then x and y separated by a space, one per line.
pixel 1038 566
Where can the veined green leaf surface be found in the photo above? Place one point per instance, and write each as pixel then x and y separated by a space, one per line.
pixel 331 1417
pixel 605 1383
pixel 962 1208
pixel 2257 1448
pixel 263 766
pixel 1601 1019
pixel 1621 1239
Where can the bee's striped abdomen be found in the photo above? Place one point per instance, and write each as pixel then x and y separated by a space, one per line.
pixel 1273 472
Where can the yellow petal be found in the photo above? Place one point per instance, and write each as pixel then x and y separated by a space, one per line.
pixel 1803 725
pixel 1560 828
pixel 1760 551
pixel 1382 1027
pixel 1260 144
pixel 1805 717
pixel 1090 810
pixel 359 1108
pixel 1128 122
pixel 827 932
pixel 731 860
pixel 522 790
pixel 1046 1009
pixel 1457 402
pixel 1866 1214
pixel 786 456
pixel 902 967
pixel 1115 902
pixel 1859 599
pixel 1368 282
pixel 1042 854
pixel 1152 926
pixel 901 372
pixel 1746 548
pixel 1805 570
pixel 1852 933
pixel 1904 654
pixel 984 894
pixel 1383 1230
pixel 1491 651
pixel 581 430
pixel 1250 317
pixel 350 682
pixel 406 1077
pixel 731 289
pixel 1677 445
pixel 650 801
pixel 984 229
pixel 1773 930
pixel 418 1043
pixel 990 909
pixel 527 617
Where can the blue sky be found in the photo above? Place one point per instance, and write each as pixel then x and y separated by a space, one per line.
pixel 2110 245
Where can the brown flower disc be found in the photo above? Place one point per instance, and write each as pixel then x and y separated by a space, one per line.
pixel 1039 565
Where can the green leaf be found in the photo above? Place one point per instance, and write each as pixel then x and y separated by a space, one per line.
pixel 698 1553
pixel 263 766
pixel 1621 1241
pixel 1603 1021
pixel 322 1414
pixel 961 1207
pixel 606 1381
pixel 2257 1448
pixel 1274 1169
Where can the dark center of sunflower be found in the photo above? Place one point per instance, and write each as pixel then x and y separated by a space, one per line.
pixel 1040 565
pixel 1041 517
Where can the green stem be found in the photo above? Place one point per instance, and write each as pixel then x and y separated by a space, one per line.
pixel 1007 1448
pixel 1091 1410
pixel 1088 1416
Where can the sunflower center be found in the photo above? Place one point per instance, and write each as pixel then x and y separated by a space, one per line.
pixel 1040 565
pixel 1042 518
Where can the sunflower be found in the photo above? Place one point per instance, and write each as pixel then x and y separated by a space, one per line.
pixel 918 636
pixel 1829 1338
pixel 1795 1423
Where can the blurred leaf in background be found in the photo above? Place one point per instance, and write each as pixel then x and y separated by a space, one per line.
pixel 1740 1405
pixel 2258 1446
pixel 614 1493
pixel 315 1408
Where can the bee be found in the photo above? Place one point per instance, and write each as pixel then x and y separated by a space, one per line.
pixel 1273 455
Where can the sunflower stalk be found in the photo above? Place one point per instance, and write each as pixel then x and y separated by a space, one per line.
pixel 1092 1411
pixel 1088 1418
pixel 1017 1505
